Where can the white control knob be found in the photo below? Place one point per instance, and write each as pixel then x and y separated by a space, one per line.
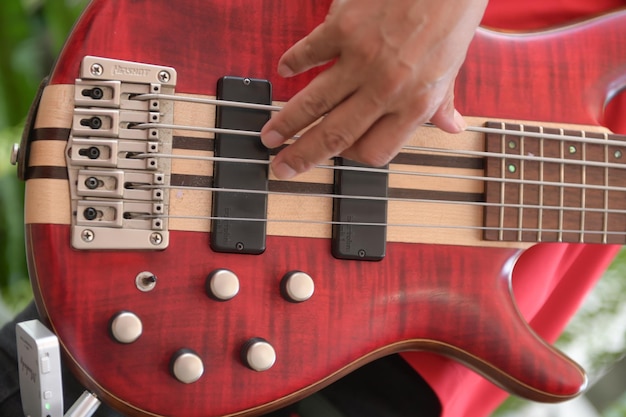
pixel 186 366
pixel 125 327
pixel 222 284
pixel 258 354
pixel 297 286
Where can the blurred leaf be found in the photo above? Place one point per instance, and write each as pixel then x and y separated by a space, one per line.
pixel 14 28
pixel 60 16
pixel 12 253
pixel 32 33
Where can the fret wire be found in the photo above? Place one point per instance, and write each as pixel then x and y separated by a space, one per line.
pixel 561 189
pixel 520 212
pixel 606 194
pixel 583 194
pixel 541 188
pixel 502 185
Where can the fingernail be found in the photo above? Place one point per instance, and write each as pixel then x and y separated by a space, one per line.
pixel 282 171
pixel 459 121
pixel 272 139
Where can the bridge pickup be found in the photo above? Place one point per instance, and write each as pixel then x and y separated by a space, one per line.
pixel 240 235
pixel 366 238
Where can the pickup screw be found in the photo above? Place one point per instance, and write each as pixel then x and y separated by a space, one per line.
pixel 96 70
pixel 156 239
pixel 164 76
pixel 247 81
pixel 88 235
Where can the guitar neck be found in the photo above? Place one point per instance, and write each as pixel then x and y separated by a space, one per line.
pixel 555 185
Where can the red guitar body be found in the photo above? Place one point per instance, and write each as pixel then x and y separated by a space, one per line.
pixel 454 300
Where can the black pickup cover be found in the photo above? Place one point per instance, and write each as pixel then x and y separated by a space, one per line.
pixel 359 241
pixel 240 236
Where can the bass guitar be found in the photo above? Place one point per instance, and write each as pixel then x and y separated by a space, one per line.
pixel 183 279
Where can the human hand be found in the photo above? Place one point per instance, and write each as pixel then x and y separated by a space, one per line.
pixel 396 62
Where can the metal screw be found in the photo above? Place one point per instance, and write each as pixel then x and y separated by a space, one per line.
pixel 247 81
pixel 156 239
pixel 164 76
pixel 96 70
pixel 88 235
pixel 362 253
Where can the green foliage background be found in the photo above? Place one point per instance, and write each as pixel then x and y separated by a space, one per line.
pixel 32 33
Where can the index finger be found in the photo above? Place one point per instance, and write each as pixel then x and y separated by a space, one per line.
pixel 324 93
pixel 338 131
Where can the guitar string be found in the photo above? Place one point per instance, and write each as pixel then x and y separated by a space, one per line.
pixel 396 172
pixel 521 133
pixel 145 216
pixel 605 211
pixel 505 132
pixel 477 129
pixel 136 186
pixel 274 108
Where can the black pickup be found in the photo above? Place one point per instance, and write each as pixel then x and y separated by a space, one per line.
pixel 366 238
pixel 240 236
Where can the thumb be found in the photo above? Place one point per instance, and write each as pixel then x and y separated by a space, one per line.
pixel 446 117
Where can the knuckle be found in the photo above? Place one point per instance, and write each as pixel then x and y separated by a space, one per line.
pixel 346 26
pixel 334 141
pixel 309 53
pixel 314 106
pixel 298 163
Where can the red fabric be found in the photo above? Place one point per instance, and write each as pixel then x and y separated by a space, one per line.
pixel 537 14
pixel 549 280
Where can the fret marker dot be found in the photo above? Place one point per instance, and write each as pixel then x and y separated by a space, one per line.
pixel 572 150
pixel 512 168
pixel 512 145
pixel 617 154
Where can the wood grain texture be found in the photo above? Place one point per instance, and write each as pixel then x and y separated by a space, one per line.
pixel 448 299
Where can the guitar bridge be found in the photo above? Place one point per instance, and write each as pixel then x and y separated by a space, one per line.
pixel 119 183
